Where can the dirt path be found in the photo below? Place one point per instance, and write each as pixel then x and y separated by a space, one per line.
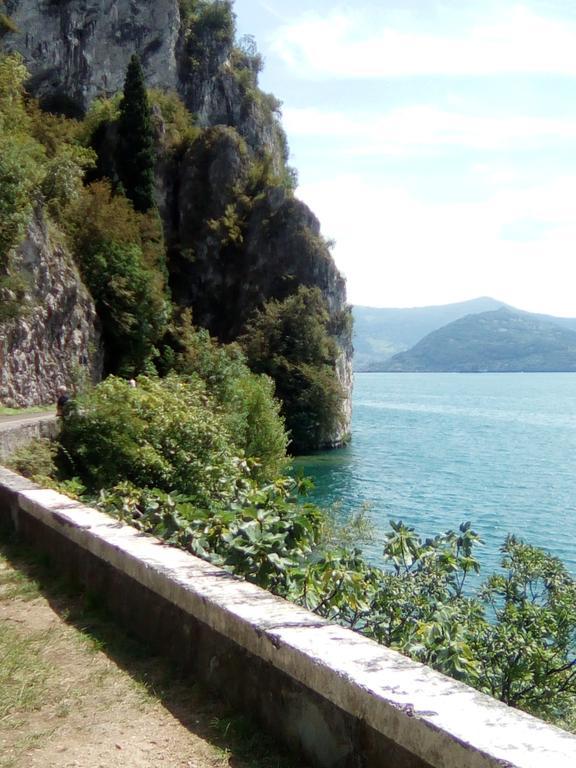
pixel 13 420
pixel 75 692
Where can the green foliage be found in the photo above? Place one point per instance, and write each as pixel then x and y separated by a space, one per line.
pixel 39 160
pixel 20 175
pixel 419 607
pixel 246 400
pixel 213 18
pixel 13 302
pixel 36 460
pixel 64 176
pixel 261 535
pixel 121 257
pixel 135 150
pixel 53 132
pixel 289 341
pixel 176 121
pixel 163 457
pixel 527 656
pixel 164 434
pixel 102 111
pixel 20 157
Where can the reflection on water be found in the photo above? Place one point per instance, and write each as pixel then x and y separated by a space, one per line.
pixel 438 449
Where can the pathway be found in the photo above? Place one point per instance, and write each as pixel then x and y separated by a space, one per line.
pixel 77 693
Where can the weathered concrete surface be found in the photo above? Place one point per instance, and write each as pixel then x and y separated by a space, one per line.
pixel 17 432
pixel 339 698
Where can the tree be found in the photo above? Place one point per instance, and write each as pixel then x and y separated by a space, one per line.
pixel 135 148
pixel 110 240
pixel 290 342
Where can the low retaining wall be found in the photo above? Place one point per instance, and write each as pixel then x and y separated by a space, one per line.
pixel 337 698
pixel 14 434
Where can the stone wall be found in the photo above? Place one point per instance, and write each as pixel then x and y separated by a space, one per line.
pixel 335 697
pixel 14 434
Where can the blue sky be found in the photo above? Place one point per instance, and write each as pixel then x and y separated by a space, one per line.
pixel 435 141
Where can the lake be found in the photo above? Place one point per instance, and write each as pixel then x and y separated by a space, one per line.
pixel 435 450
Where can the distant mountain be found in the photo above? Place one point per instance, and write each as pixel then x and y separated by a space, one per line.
pixel 502 340
pixel 381 333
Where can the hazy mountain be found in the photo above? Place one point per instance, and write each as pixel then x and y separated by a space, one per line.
pixel 381 333
pixel 502 340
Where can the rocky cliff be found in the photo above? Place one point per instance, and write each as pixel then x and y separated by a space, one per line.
pixel 77 50
pixel 55 339
pixel 235 238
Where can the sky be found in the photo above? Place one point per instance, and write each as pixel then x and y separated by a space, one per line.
pixel 434 140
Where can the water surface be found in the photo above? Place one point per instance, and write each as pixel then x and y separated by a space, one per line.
pixel 438 449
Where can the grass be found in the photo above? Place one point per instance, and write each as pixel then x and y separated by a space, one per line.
pixel 26 411
pixel 37 698
pixel 22 674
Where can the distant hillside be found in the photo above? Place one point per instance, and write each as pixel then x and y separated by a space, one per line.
pixel 381 333
pixel 499 341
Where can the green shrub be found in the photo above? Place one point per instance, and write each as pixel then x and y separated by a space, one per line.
pixel 36 460
pixel 164 434
pixel 262 535
pixel 247 401
pixel 209 17
pixel 121 257
pixel 177 121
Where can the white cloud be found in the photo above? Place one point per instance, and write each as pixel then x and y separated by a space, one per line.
pixel 416 128
pixel 361 44
pixel 397 250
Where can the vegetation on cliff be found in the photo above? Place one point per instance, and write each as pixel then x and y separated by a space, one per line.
pixel 196 452
pixel 290 342
pixel 135 145
pixel 94 181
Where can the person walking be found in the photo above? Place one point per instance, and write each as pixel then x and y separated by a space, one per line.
pixel 62 401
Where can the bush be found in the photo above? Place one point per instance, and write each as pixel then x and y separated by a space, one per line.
pixel 246 400
pixel 177 121
pixel 209 17
pixel 263 535
pixel 36 460
pixel 164 434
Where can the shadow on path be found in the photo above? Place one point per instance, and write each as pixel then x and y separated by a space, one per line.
pixel 191 704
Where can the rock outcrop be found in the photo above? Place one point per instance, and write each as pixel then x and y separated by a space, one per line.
pixel 239 241
pixel 77 50
pixel 55 339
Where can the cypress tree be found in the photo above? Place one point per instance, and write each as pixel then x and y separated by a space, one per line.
pixel 135 148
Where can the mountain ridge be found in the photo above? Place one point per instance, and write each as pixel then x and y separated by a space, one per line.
pixel 380 333
pixel 502 340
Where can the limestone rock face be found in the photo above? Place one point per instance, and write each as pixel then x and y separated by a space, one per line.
pixel 79 49
pixel 55 340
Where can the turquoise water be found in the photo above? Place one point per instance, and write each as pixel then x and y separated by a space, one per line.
pixel 438 449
